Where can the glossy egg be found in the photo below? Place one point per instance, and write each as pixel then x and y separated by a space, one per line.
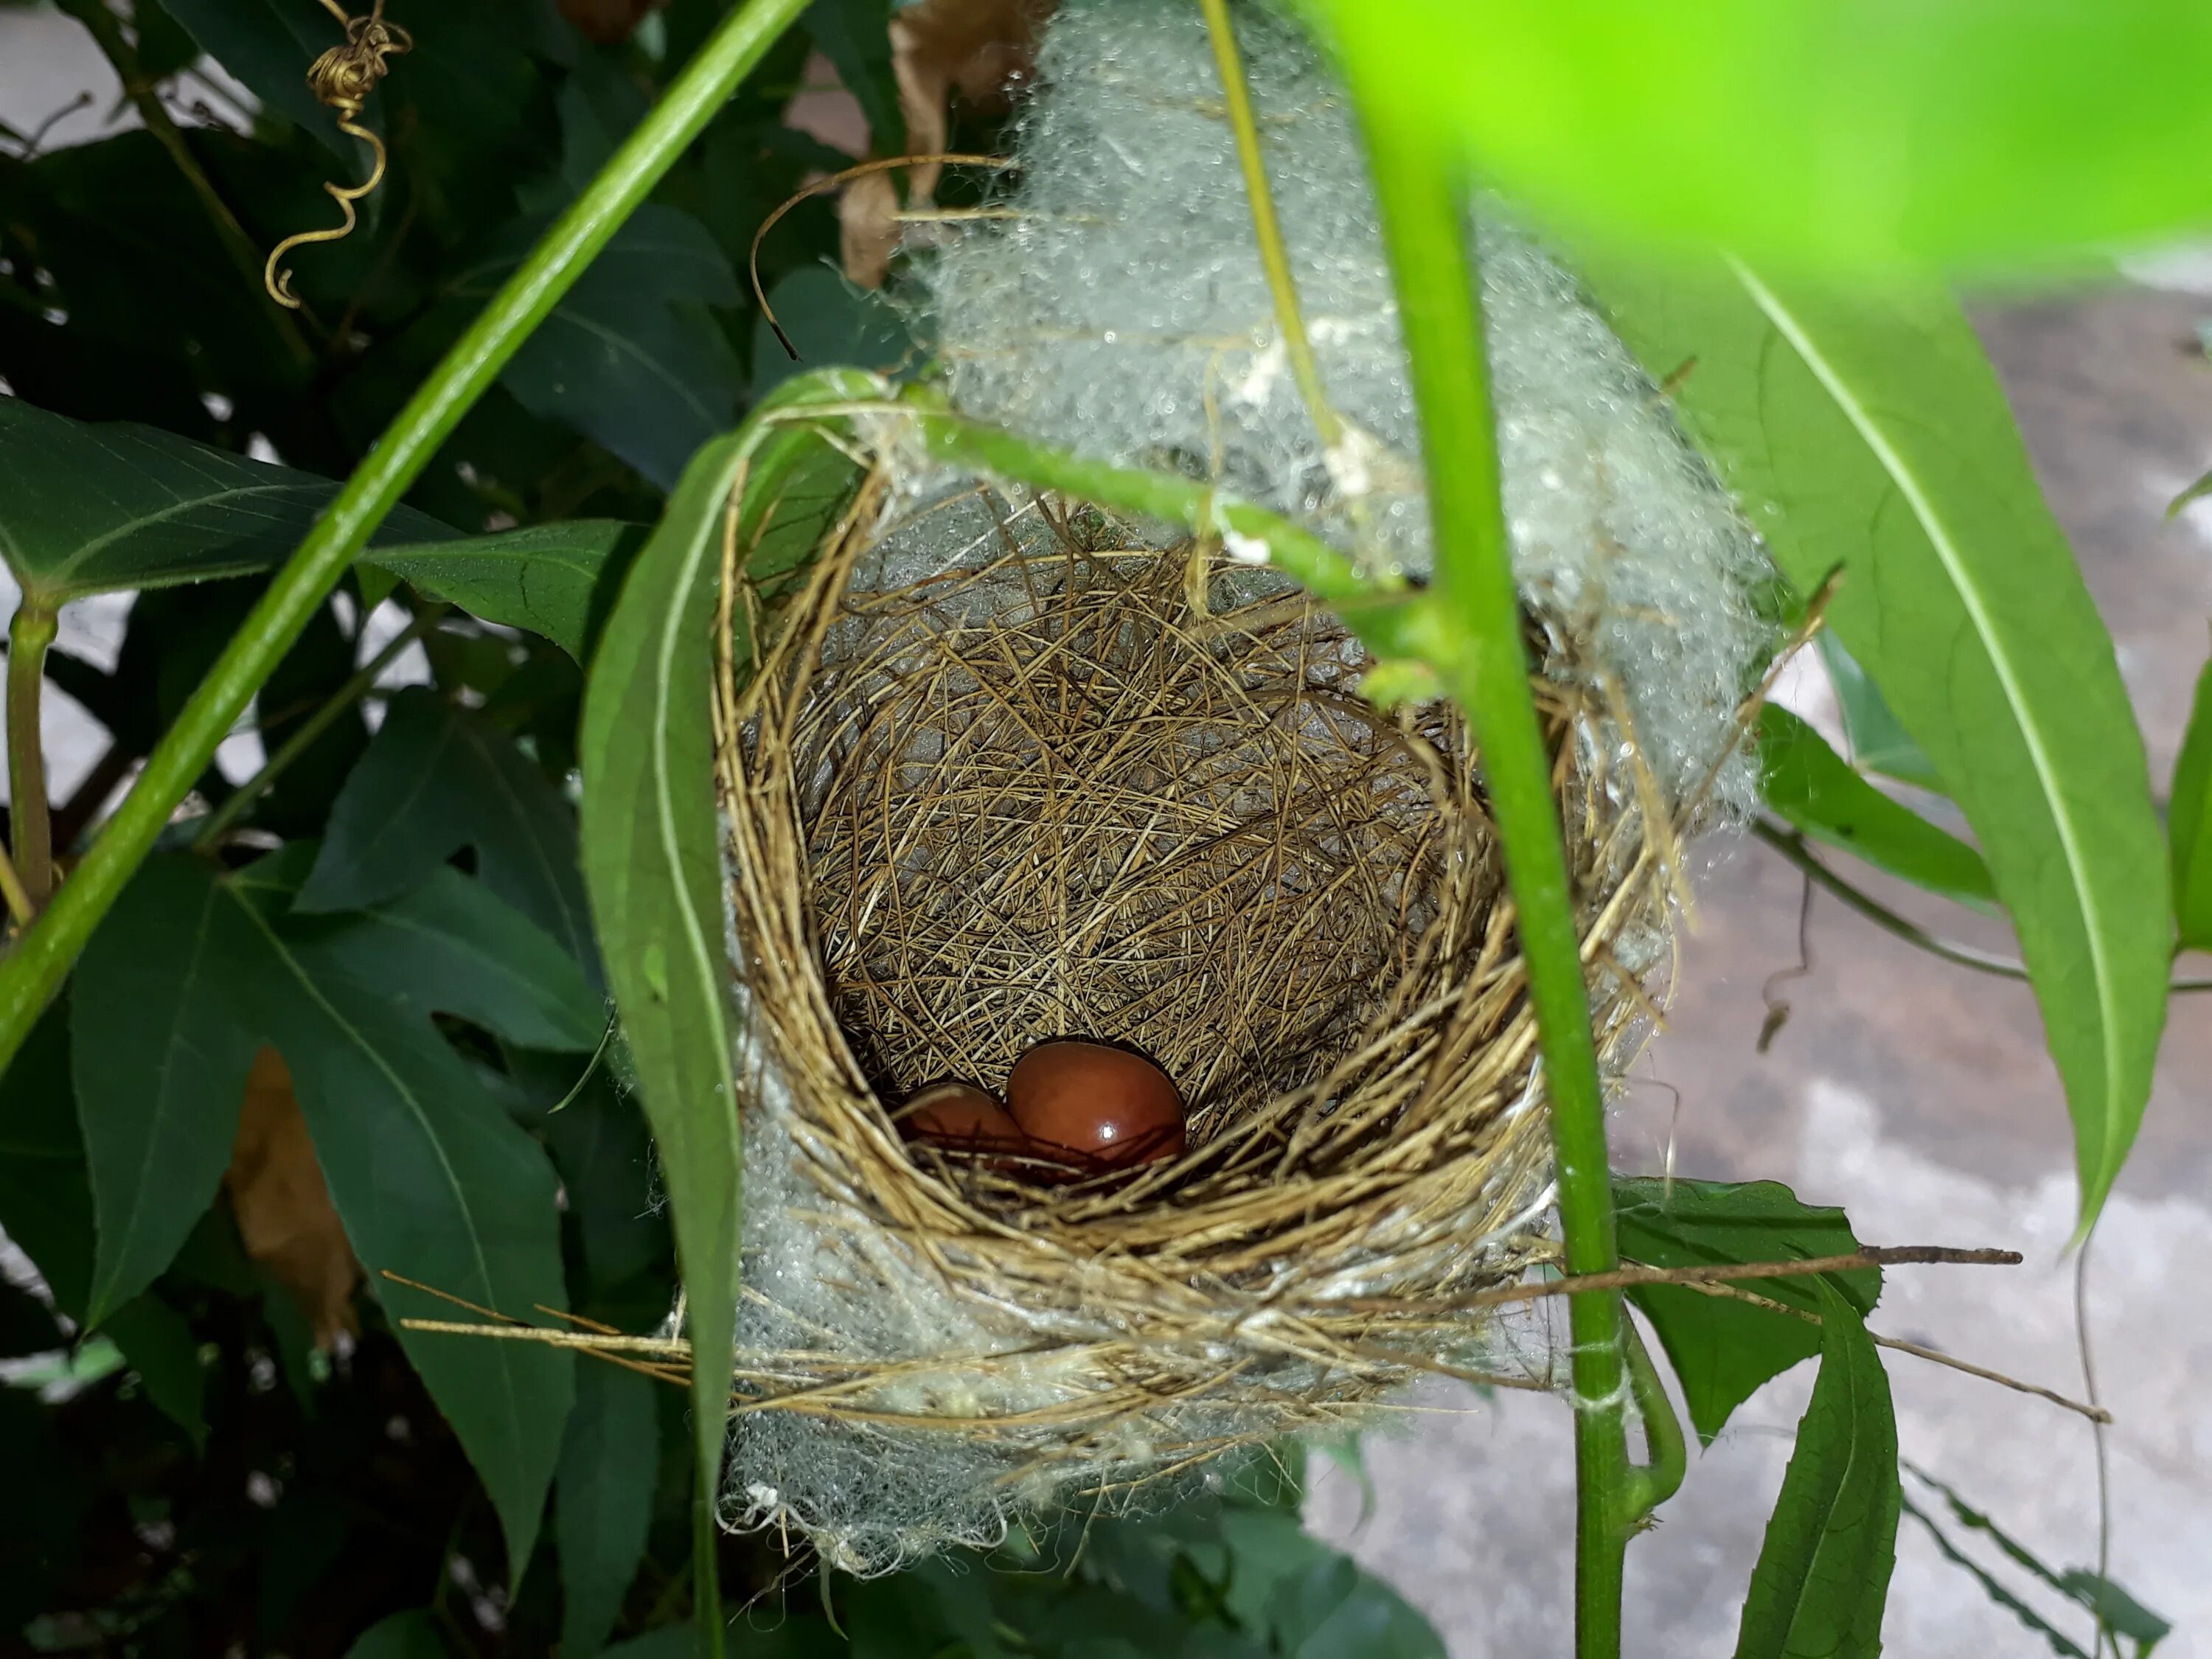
pixel 955 1114
pixel 1107 1105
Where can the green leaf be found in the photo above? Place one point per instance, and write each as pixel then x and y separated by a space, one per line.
pixel 2189 825
pixel 437 779
pixel 541 577
pixel 1807 786
pixel 1897 131
pixel 1724 1350
pixel 830 321
pixel 1868 433
pixel 1994 1587
pixel 630 357
pixel 46 1200
pixel 1878 742
pixel 1822 1576
pixel 165 1355
pixel 269 45
pixel 93 509
pixel 2122 1613
pixel 411 1635
pixel 653 859
pixel 430 1178
pixel 603 1504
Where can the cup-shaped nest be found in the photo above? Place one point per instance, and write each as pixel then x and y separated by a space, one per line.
pixel 1088 787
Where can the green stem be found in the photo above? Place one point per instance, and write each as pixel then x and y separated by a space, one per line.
pixel 242 799
pixel 1425 225
pixel 1274 257
pixel 1666 1454
pixel 32 973
pixel 108 33
pixel 29 635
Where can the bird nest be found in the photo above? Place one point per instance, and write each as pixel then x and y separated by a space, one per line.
pixel 984 787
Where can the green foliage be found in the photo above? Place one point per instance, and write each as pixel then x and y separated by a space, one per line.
pixel 1822 1575
pixel 1878 742
pixel 2189 824
pixel 1867 435
pixel 545 577
pixel 1808 785
pixel 1724 1349
pixel 1905 132
pixel 609 1463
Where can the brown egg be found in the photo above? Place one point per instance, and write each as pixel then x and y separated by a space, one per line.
pixel 959 1114
pixel 1107 1105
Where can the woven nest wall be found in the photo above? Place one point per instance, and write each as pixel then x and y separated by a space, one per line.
pixel 1064 781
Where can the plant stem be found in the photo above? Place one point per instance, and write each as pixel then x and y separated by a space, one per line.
pixel 1427 230
pixel 1274 257
pixel 243 798
pixel 108 33
pixel 29 635
pixel 32 973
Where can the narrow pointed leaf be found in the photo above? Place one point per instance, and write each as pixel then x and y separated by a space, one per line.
pixel 46 1199
pixel 2189 824
pixel 1867 433
pixel 1822 1578
pixel 541 577
pixel 1807 785
pixel 603 1504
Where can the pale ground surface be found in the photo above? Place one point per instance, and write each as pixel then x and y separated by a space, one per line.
pixel 1911 1093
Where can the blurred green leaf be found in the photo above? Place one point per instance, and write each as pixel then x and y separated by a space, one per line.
pixel 1884 133
pixel 630 357
pixel 306 678
pixel 436 778
pixel 1807 785
pixel 269 45
pixel 411 1635
pixel 2189 825
pixel 652 857
pixel 2121 1612
pixel 1724 1350
pixel 855 35
pixel 92 509
pixel 428 1175
pixel 830 321
pixel 165 1355
pixel 1868 434
pixel 603 1500
pixel 1822 1576
pixel 1878 742
pixel 543 577
pixel 45 1199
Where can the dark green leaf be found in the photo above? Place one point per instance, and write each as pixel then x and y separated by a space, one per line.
pixel 435 779
pixel 92 509
pixel 412 1635
pixel 855 36
pixel 1878 742
pixel 429 1178
pixel 305 679
pixel 1868 433
pixel 160 1057
pixel 269 46
pixel 830 321
pixel 602 1504
pixel 542 578
pixel 1723 1350
pixel 630 356
pixel 601 1146
pixel 165 1356
pixel 1910 131
pixel 2122 1613
pixel 46 1199
pixel 1822 1576
pixel 1807 785
pixel 2189 824
pixel 652 857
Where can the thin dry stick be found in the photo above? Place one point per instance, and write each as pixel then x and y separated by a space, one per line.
pixel 838 181
pixel 2095 1414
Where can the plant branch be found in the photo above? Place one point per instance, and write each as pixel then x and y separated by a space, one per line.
pixel 1426 229
pixel 1274 257
pixel 32 973
pixel 106 32
pixel 1792 846
pixel 242 799
pixel 29 635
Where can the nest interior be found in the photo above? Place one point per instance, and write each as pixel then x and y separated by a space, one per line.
pixel 1071 783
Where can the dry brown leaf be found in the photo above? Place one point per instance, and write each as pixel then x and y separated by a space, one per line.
pixel 606 22
pixel 285 1217
pixel 983 50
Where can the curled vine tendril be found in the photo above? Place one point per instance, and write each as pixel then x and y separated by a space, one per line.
pixel 341 80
